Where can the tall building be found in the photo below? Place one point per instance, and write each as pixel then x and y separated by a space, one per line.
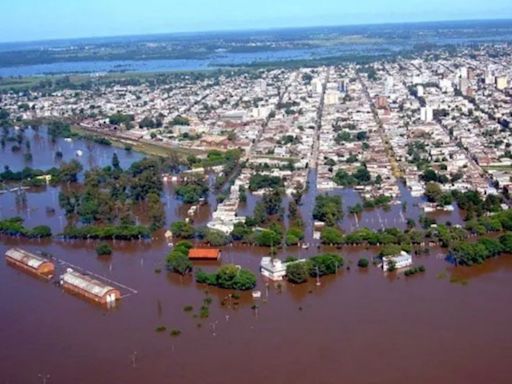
pixel 427 114
pixel 316 86
pixel 501 82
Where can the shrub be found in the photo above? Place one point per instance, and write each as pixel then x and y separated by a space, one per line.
pixel 103 250
pixel 297 272
pixel 363 263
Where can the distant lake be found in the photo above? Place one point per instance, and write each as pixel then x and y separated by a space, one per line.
pixel 392 38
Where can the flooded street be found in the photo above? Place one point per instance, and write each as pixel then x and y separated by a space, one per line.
pixel 448 325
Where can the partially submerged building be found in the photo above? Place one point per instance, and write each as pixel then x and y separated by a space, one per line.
pixel 30 263
pixel 275 269
pixel 89 288
pixel 402 260
pixel 204 254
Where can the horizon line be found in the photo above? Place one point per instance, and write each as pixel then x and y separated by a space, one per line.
pixel 254 29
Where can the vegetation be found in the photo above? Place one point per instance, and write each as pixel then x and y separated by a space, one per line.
pixel 360 177
pixel 363 263
pixel 414 270
pixel 228 276
pixel 331 236
pixel 14 227
pixel 192 190
pixel 107 232
pixel 182 230
pixel 298 272
pixel 261 181
pixel 103 250
pixel 177 260
pixel 328 209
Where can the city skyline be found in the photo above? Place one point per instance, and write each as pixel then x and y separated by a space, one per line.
pixel 114 18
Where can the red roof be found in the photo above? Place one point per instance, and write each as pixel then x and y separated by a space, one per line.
pixel 204 253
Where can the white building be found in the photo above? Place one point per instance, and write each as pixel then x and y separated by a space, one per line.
pixel 501 82
pixel 427 114
pixel 275 269
pixel 400 261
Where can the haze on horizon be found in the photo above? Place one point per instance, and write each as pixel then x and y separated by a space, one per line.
pixel 32 20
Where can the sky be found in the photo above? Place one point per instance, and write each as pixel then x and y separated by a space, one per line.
pixel 31 20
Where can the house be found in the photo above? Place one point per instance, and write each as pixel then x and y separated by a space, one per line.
pixel 30 263
pixel 400 261
pixel 204 254
pixel 275 269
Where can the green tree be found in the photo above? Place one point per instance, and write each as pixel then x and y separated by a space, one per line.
pixel 297 272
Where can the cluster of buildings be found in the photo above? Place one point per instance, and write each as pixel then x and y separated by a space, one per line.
pixel 72 281
pixel 350 137
pixel 448 112
pixel 437 114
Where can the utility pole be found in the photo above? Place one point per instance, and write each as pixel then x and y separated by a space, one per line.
pixel 44 377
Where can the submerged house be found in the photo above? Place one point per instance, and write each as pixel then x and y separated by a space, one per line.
pixel 204 254
pixel 275 269
pixel 398 261
pixel 89 288
pixel 30 263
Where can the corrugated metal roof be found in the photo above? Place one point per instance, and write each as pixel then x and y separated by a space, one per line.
pixel 24 257
pixel 86 283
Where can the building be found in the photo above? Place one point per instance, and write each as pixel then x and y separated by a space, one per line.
pixel 382 102
pixel 204 254
pixel 332 97
pixel 275 269
pixel 30 263
pixel 501 82
pixel 400 261
pixel 426 114
pixel 88 288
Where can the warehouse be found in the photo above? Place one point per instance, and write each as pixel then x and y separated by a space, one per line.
pixel 30 263
pixel 89 288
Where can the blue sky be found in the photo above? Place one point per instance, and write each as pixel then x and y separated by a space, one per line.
pixel 51 19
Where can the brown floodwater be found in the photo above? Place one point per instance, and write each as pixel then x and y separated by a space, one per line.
pixel 448 325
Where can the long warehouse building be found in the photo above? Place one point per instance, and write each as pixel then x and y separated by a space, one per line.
pixel 30 263
pixel 89 288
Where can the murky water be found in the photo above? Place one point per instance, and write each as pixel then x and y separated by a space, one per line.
pixel 449 325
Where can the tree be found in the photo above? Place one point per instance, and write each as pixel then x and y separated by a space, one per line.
pixel 390 250
pixel 182 230
pixel 103 249
pixel 506 242
pixel 155 211
pixel 115 162
pixel 363 263
pixel 324 264
pixel 268 238
pixel 216 238
pixel 272 202
pixel 192 190
pixel 297 272
pixel 331 235
pixel 433 192
pixel 178 261
pixel 328 209
pixel 228 276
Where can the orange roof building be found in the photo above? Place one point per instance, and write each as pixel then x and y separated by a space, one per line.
pixel 30 263
pixel 204 254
